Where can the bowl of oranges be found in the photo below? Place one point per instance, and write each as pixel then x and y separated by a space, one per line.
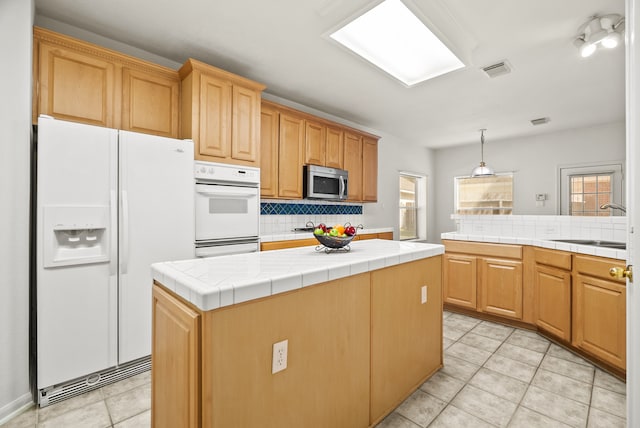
pixel 335 237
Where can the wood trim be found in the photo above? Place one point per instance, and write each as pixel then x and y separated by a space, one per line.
pixel 81 46
pixel 483 249
pixel 195 65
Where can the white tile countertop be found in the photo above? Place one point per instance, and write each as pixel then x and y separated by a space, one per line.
pixel 304 235
pixel 538 242
pixel 214 282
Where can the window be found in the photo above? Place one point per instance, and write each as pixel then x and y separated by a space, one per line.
pixel 408 207
pixel 583 189
pixel 484 195
pixel 588 193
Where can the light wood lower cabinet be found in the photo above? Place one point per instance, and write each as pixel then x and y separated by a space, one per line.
pixel 599 310
pixel 501 287
pixel 175 374
pixel 552 292
pixel 484 277
pixel 460 280
pixel 405 349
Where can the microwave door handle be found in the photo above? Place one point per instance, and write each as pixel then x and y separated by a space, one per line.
pixel 341 187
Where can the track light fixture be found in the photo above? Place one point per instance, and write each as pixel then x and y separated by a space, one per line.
pixel 599 31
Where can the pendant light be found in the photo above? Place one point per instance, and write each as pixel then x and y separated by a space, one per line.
pixel 482 170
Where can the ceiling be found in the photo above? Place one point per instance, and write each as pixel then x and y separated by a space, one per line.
pixel 284 44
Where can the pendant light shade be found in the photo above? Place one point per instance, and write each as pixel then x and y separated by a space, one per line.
pixel 482 170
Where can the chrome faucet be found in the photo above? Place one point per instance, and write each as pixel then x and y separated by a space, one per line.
pixel 614 206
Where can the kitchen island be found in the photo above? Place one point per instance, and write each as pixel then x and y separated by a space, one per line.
pixel 363 331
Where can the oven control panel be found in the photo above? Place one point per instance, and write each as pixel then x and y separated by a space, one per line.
pixel 218 172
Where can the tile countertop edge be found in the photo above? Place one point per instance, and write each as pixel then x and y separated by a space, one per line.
pixel 244 277
pixel 291 236
pixel 543 243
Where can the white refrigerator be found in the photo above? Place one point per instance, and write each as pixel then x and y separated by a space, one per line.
pixel 109 204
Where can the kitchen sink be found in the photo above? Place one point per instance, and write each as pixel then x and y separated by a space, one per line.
pixel 595 243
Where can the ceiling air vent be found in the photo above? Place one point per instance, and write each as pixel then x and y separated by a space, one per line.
pixel 540 121
pixel 497 69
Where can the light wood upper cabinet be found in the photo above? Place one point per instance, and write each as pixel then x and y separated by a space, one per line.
pixel 82 82
pixel 150 102
pixel 315 143
pixel 74 85
pixel 353 164
pixel 221 113
pixel 334 156
pixel 290 156
pixel 599 310
pixel 369 169
pixel 269 132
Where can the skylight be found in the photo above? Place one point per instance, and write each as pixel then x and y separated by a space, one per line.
pixel 392 38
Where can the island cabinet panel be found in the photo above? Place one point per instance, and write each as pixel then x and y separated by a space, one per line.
pixel 326 382
pixel 501 287
pixel 76 86
pixel 406 331
pixel 175 396
pixel 150 102
pixel 269 132
pixel 460 280
pixel 599 310
pixel 290 156
pixel 353 164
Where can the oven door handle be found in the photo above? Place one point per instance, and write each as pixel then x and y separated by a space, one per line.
pixel 228 195
pixel 217 193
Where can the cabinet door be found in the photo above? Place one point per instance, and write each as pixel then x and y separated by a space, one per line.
pixel 290 156
pixel 599 319
pixel 460 280
pixel 552 297
pixel 334 156
pixel 215 117
pixel 269 124
pixel 406 331
pixel 353 164
pixel 75 86
pixel 150 103
pixel 501 287
pixel 369 169
pixel 315 143
pixel 245 132
pixel 175 360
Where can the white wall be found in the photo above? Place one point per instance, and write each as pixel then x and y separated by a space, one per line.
pixel 16 18
pixel 534 160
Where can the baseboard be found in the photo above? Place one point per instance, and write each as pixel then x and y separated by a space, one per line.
pixel 16 407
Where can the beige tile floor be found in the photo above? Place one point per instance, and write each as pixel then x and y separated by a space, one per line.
pixel 493 376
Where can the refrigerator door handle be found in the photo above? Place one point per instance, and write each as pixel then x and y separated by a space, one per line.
pixel 113 256
pixel 125 232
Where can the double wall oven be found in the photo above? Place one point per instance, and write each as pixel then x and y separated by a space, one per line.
pixel 227 209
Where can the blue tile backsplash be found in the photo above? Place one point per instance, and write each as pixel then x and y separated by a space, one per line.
pixel 278 208
pixel 282 216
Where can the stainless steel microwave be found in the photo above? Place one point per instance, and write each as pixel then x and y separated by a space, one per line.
pixel 325 183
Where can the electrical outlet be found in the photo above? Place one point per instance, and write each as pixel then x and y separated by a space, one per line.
pixel 279 361
pixel 424 294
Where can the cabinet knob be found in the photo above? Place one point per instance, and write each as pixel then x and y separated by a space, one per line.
pixel 620 273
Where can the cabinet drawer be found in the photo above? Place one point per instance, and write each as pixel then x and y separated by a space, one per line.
pixel 554 258
pixel 484 249
pixel 597 266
